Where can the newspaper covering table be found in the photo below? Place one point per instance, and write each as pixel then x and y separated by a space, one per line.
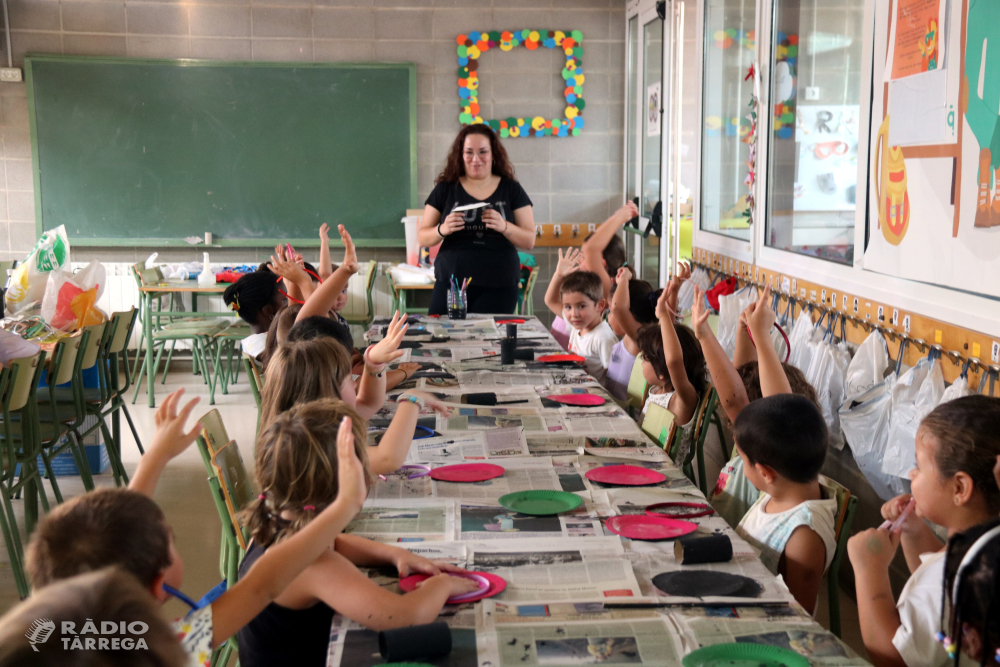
pixel 577 594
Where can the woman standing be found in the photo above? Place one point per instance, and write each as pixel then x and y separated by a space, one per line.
pixel 481 243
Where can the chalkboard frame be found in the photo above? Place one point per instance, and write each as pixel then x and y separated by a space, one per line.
pixel 191 62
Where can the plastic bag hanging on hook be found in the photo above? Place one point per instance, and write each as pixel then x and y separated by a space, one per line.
pixel 959 388
pixel 918 391
pixel 799 340
pixel 730 308
pixel 868 367
pixel 865 422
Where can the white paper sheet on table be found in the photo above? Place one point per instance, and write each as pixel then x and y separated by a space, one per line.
pixel 411 520
pixel 479 445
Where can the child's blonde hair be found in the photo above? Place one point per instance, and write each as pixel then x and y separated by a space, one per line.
pixel 108 595
pixel 296 465
pixel 277 333
pixel 300 372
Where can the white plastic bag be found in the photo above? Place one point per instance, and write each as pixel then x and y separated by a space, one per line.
pixel 70 300
pixel 917 392
pixel 800 339
pixel 957 389
pixel 826 372
pixel 865 422
pixel 730 307
pixel 867 369
pixel 27 282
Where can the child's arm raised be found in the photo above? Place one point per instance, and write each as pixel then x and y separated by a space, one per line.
pixel 745 350
pixel 566 265
pixel 772 376
pixel 727 381
pixel 871 552
pixel 298 284
pixel 621 308
pixel 284 561
pixel 593 248
pixel 372 388
pixel 169 441
pixel 686 398
pixel 322 300
pixel 325 268
pixel 805 555
pixel 395 444
pixel 915 535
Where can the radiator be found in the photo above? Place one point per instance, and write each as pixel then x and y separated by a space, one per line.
pixel 121 293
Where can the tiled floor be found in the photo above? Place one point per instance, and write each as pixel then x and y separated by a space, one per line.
pixel 184 496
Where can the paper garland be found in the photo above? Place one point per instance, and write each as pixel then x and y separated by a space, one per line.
pixel 473 45
pixel 751 140
pixel 786 50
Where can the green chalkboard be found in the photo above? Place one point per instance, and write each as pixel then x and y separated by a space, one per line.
pixel 147 152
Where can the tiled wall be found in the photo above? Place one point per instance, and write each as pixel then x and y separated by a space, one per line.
pixel 569 180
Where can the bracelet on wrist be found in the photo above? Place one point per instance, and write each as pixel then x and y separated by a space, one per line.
pixel 371 367
pixel 439 230
pixel 410 398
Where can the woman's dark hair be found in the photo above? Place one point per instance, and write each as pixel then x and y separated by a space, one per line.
pixel 251 294
pixel 454 166
pixel 977 600
pixel 650 343
pixel 967 431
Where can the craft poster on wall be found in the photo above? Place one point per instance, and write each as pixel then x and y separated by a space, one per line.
pixel 653 110
pixel 934 153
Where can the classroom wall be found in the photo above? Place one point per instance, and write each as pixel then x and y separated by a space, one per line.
pixel 571 180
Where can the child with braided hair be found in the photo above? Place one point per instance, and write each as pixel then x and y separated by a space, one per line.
pixel 256 298
pixel 952 486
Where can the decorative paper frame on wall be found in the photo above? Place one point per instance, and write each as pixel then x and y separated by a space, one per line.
pixel 473 45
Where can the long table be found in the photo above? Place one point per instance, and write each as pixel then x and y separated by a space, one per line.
pixel 577 594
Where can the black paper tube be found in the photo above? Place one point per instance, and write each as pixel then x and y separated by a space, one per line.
pixel 415 642
pixel 507 346
pixel 708 549
pixel 524 355
pixel 512 331
pixel 480 398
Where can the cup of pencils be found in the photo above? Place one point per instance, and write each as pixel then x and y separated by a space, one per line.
pixel 458 305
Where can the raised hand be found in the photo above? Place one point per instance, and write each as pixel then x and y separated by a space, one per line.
pixel 324 233
pixel 350 262
pixel 627 212
pixel 171 439
pixel 699 315
pixel 387 349
pixel 351 486
pixel 570 262
pixel 284 264
pixel 762 318
pixel 663 309
pixel 623 276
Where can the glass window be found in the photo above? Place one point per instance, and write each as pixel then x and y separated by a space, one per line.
pixel 729 50
pixel 815 95
pixel 630 113
pixel 652 146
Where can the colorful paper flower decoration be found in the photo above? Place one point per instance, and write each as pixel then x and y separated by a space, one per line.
pixel 473 45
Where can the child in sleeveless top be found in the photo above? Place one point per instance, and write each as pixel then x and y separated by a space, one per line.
pixel 633 304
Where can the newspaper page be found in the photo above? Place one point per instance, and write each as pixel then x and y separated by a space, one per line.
pixel 353 645
pixel 456 447
pixel 399 486
pixel 565 569
pixel 531 420
pixel 497 613
pixel 411 520
pixel 490 380
pixel 802 635
pixel 548 445
pixel 646 641
pixel 494 522
pixel 520 474
pixel 637 449
pixel 609 422
pixel 761 586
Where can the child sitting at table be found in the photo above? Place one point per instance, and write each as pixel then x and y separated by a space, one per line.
pixel 126 528
pixel 952 486
pixel 256 299
pixel 296 466
pixel 578 297
pixel 782 440
pixel 672 364
pixel 633 304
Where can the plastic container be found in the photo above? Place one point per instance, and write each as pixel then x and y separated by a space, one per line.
pixel 412 246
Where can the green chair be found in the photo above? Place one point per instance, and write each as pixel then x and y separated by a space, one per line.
pixel 123 325
pixel 638 389
pixel 366 320
pixel 659 425
pixel 399 298
pixel 707 418
pixel 256 382
pixel 224 371
pixel 846 506
pixel 232 489
pixel 526 284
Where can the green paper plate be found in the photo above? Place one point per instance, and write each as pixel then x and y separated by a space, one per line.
pixel 541 503
pixel 744 655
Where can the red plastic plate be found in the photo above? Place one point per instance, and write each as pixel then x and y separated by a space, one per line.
pixel 560 358
pixel 497 585
pixel 625 475
pixel 510 321
pixel 467 472
pixel 584 400
pixel 643 527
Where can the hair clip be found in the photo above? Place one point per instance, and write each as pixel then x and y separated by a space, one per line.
pixel 263 497
pixel 309 508
pixel 235 305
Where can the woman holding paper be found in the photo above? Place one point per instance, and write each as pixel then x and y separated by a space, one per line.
pixel 480 215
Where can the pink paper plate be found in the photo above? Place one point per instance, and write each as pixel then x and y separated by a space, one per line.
pixel 467 472
pixel 585 400
pixel 515 321
pixel 625 475
pixel 560 358
pixel 643 527
pixel 497 585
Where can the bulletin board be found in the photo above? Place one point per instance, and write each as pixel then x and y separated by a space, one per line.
pixel 934 144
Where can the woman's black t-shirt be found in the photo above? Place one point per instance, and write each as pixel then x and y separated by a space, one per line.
pixel 484 255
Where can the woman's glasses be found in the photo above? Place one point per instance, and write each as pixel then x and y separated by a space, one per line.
pixel 483 155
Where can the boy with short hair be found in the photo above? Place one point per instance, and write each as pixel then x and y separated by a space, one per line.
pixel 782 440
pixel 578 297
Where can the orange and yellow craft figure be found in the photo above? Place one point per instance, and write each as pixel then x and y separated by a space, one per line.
pixel 890 187
pixel 929 47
